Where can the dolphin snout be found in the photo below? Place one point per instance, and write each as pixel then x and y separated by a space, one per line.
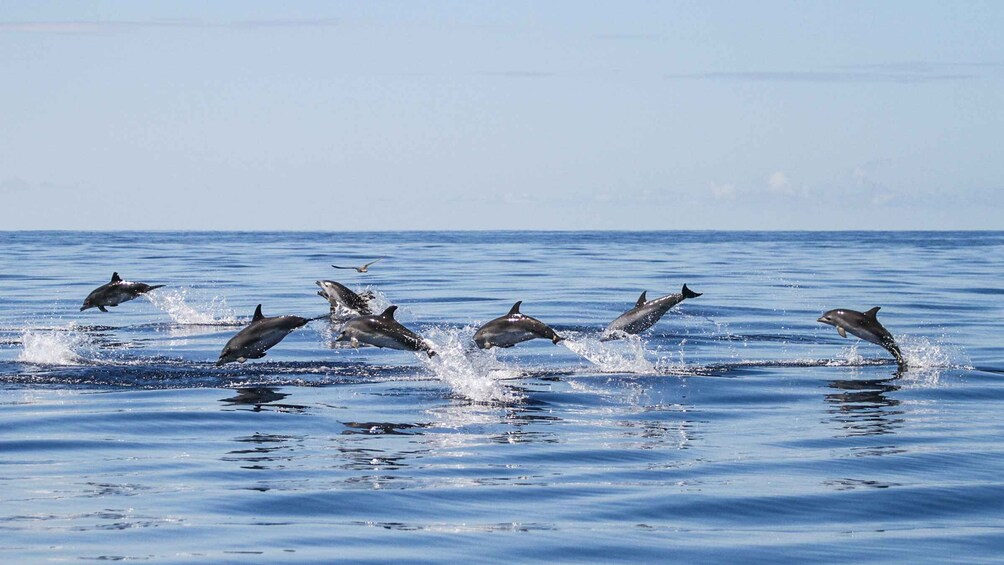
pixel 82 308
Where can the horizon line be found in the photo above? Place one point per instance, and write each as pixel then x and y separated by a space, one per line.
pixel 503 230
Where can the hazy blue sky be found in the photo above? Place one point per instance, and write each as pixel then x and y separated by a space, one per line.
pixel 471 115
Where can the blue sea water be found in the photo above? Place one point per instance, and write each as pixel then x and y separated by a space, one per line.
pixel 738 428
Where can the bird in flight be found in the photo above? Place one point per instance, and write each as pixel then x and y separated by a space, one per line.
pixel 362 269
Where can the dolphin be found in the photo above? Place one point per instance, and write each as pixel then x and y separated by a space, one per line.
pixel 645 314
pixel 115 292
pixel 336 294
pixel 382 331
pixel 511 329
pixel 258 337
pixel 864 325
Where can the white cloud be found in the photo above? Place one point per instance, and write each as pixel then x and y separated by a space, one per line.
pixel 723 191
pixel 778 182
pixel 880 198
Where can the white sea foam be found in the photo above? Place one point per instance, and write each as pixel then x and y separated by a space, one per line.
pixel 471 373
pixel 187 310
pixel 53 346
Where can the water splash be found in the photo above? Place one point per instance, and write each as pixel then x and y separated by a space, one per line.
pixel 848 357
pixel 175 303
pixel 379 302
pixel 625 355
pixel 471 373
pixel 53 346
pixel 927 359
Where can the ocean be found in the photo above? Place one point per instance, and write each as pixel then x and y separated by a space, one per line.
pixel 738 428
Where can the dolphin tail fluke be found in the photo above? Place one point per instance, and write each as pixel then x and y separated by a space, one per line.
pixel 687 293
pixel 556 339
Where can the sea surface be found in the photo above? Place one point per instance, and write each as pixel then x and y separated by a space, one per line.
pixel 737 429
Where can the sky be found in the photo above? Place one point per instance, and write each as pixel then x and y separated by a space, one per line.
pixel 403 115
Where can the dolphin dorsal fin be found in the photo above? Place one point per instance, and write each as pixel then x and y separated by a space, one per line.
pixel 641 299
pixel 872 313
pixel 116 278
pixel 515 308
pixel 257 314
pixel 389 312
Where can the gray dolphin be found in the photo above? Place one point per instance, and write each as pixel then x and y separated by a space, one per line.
pixel 258 337
pixel 337 293
pixel 864 325
pixel 115 292
pixel 645 314
pixel 511 329
pixel 382 331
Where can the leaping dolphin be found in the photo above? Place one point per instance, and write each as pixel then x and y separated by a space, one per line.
pixel 866 326
pixel 115 292
pixel 383 331
pixel 513 328
pixel 336 294
pixel 645 314
pixel 258 337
